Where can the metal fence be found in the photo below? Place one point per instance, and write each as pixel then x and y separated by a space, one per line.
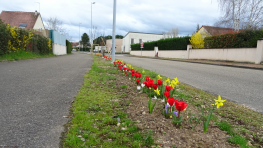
pixel 57 37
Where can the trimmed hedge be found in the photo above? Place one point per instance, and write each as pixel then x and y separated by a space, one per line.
pixel 243 39
pixel 69 46
pixel 136 46
pixel 4 38
pixel 179 43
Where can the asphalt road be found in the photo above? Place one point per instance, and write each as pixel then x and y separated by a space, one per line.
pixel 239 85
pixel 35 95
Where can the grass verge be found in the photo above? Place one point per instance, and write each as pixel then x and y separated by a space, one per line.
pixel 98 120
pixel 96 114
pixel 21 55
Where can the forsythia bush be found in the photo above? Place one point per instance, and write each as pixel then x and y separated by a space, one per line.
pixel 197 40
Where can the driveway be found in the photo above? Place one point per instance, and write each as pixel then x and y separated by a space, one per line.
pixel 35 95
pixel 240 85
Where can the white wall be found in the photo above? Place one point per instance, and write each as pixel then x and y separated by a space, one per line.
pixel 144 53
pixel 39 25
pixel 253 55
pixel 136 36
pixel 231 54
pixel 59 49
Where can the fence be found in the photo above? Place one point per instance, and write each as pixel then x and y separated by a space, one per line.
pixel 58 42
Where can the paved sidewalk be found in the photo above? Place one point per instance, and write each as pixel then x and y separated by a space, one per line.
pixel 35 98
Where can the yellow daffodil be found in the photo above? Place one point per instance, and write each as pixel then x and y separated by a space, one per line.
pixel 219 102
pixel 167 81
pixel 157 92
pixel 143 71
pixel 159 77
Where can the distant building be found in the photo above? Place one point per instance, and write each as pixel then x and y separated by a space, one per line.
pixel 118 44
pixel 138 37
pixel 26 20
pixel 210 30
pixel 75 44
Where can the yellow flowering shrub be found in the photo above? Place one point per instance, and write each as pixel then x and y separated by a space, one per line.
pixel 197 40
pixel 49 44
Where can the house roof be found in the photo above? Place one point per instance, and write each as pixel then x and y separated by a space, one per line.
pixel 15 18
pixel 216 30
pixel 74 44
pixel 141 33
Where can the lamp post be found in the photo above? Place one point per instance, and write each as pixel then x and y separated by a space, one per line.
pixel 91 41
pixel 39 5
pixel 79 36
pixel 113 31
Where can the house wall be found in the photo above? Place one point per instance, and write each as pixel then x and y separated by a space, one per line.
pixel 39 26
pixel 59 49
pixel 118 44
pixel 203 32
pixel 136 36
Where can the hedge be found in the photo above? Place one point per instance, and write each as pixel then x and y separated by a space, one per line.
pixel 243 39
pixel 136 46
pixel 4 38
pixel 69 46
pixel 13 39
pixel 179 43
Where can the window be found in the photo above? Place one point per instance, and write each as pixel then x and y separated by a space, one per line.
pixel 140 40
pixel 22 25
pixel 132 41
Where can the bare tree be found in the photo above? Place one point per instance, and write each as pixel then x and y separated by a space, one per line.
pixel 237 14
pixel 171 34
pixel 93 34
pixel 57 25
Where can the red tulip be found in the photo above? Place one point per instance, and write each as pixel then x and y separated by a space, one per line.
pixel 150 84
pixel 114 63
pixel 180 106
pixel 124 63
pixel 155 86
pixel 166 94
pixel 159 82
pixel 128 69
pixel 144 82
pixel 126 74
pixel 138 81
pixel 171 101
pixel 124 68
pixel 168 88
pixel 139 75
pixel 147 78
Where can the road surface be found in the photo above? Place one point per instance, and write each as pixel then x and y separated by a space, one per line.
pixel 240 85
pixel 35 95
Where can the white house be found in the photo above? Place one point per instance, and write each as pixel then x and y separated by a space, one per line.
pixel 138 37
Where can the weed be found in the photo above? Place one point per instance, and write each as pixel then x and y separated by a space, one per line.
pixel 124 86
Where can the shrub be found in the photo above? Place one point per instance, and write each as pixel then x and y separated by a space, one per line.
pixel 197 41
pixel 179 43
pixel 149 45
pixel 243 39
pixel 4 38
pixel 136 46
pixel 69 46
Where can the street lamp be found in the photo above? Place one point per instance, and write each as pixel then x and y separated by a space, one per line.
pixel 91 29
pixel 39 5
pixel 113 31
pixel 79 36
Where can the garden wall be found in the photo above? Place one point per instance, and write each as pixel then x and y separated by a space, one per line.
pixel 59 49
pixel 253 55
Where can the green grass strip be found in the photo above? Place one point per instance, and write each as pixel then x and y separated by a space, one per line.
pixel 96 114
pixel 22 55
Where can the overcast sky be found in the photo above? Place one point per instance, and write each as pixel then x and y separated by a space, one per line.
pixel 149 16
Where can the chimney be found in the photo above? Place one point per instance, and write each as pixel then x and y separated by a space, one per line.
pixel 35 13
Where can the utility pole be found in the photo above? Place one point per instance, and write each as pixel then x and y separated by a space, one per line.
pixel 113 31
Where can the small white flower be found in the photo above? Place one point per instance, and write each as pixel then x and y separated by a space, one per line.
pixel 162 100
pixel 125 66
pixel 138 87
pixel 143 85
pixel 154 97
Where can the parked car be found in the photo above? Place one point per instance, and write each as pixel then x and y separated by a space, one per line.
pixel 74 50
